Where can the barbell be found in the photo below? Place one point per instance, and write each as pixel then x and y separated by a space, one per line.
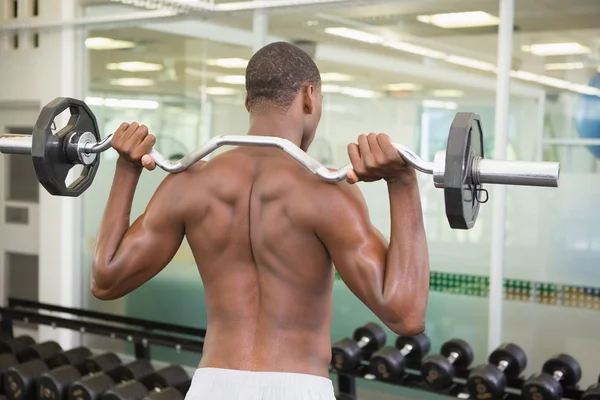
pixel 461 170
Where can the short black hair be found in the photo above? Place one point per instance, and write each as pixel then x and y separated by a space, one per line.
pixel 276 73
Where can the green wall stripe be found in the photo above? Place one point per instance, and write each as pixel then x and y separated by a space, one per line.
pixel 516 290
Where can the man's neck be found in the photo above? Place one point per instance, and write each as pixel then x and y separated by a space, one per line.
pixel 283 126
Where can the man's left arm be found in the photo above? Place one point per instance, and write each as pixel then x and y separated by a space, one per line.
pixel 126 256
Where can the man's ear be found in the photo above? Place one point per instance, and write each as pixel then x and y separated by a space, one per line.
pixel 308 99
pixel 246 103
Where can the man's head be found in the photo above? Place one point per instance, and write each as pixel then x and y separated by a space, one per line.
pixel 283 79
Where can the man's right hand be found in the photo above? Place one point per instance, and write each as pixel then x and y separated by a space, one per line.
pixel 375 158
pixel 133 143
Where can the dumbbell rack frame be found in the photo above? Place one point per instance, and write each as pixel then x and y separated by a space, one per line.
pixel 144 333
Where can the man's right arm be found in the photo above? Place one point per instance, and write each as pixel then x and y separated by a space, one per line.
pixel 392 280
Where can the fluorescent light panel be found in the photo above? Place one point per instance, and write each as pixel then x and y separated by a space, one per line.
pixel 403 87
pixel 445 105
pixel 102 43
pixel 134 66
pixel 564 66
pixel 350 91
pixel 448 93
pixel 469 19
pixel 355 35
pixel 556 49
pixel 220 91
pixel 122 103
pixel 133 82
pixel 232 79
pixel 335 77
pixel 228 62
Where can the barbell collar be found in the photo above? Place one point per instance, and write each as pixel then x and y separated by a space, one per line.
pixel 521 173
pixel 15 144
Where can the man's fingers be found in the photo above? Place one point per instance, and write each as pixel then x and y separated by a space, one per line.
pixel 354 155
pixel 387 147
pixel 366 156
pixel 140 134
pixel 148 162
pixel 130 130
pixel 378 154
pixel 351 176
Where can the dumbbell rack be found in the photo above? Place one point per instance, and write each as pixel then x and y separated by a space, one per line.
pixel 141 333
pixel 413 380
pixel 144 333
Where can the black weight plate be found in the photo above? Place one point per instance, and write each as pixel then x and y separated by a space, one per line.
pixel 345 355
pixel 19 380
pixel 55 384
pixel 48 150
pixel 460 347
pixel 592 393
pixel 137 370
pixel 171 376
pixel 43 351
pixel 486 382
pixel 541 387
pixel 74 357
pixel 132 390
pixel 465 142
pixel 437 371
pixel 16 345
pixel 513 355
pixel 91 387
pixel 566 364
pixel 374 332
pixel 167 394
pixel 387 364
pixel 6 361
pixel 100 363
pixel 420 345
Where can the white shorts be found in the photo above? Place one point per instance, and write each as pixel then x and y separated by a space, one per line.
pixel 227 384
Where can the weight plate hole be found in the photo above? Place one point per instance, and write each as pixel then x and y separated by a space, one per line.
pixel 74 176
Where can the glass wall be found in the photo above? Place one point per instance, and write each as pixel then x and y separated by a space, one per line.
pixel 385 68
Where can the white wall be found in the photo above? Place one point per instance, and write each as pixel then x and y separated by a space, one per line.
pixel 38 75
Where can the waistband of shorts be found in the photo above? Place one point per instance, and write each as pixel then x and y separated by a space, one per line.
pixel 261 378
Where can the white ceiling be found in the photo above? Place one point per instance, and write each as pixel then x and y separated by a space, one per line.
pixel 536 21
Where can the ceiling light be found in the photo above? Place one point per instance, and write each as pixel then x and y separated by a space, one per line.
pixel 228 62
pixel 403 87
pixel 122 103
pixel 468 19
pixel 556 49
pixel 134 66
pixel 448 93
pixel 411 48
pixel 564 66
pixel 335 77
pixel 357 92
pixel 220 91
pixel 102 43
pixel 350 91
pixel 232 79
pixel 355 35
pixel 132 82
pixel 446 105
pixel 471 63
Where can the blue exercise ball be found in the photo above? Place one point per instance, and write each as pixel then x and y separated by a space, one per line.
pixel 587 116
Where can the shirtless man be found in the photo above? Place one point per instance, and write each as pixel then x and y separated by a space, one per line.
pixel 264 232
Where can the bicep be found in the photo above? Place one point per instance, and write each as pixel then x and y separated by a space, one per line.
pixel 357 248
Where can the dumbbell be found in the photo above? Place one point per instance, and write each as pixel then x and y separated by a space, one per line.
pixel 488 381
pixel 438 369
pixel 170 377
pixel 593 392
pixel 560 371
pixel 55 384
pixel 388 363
pixel 19 380
pixel 92 387
pixel 16 345
pixel 166 394
pixel 347 353
pixel 7 360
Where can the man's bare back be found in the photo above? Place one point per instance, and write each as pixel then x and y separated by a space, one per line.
pixel 265 232
pixel 267 276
